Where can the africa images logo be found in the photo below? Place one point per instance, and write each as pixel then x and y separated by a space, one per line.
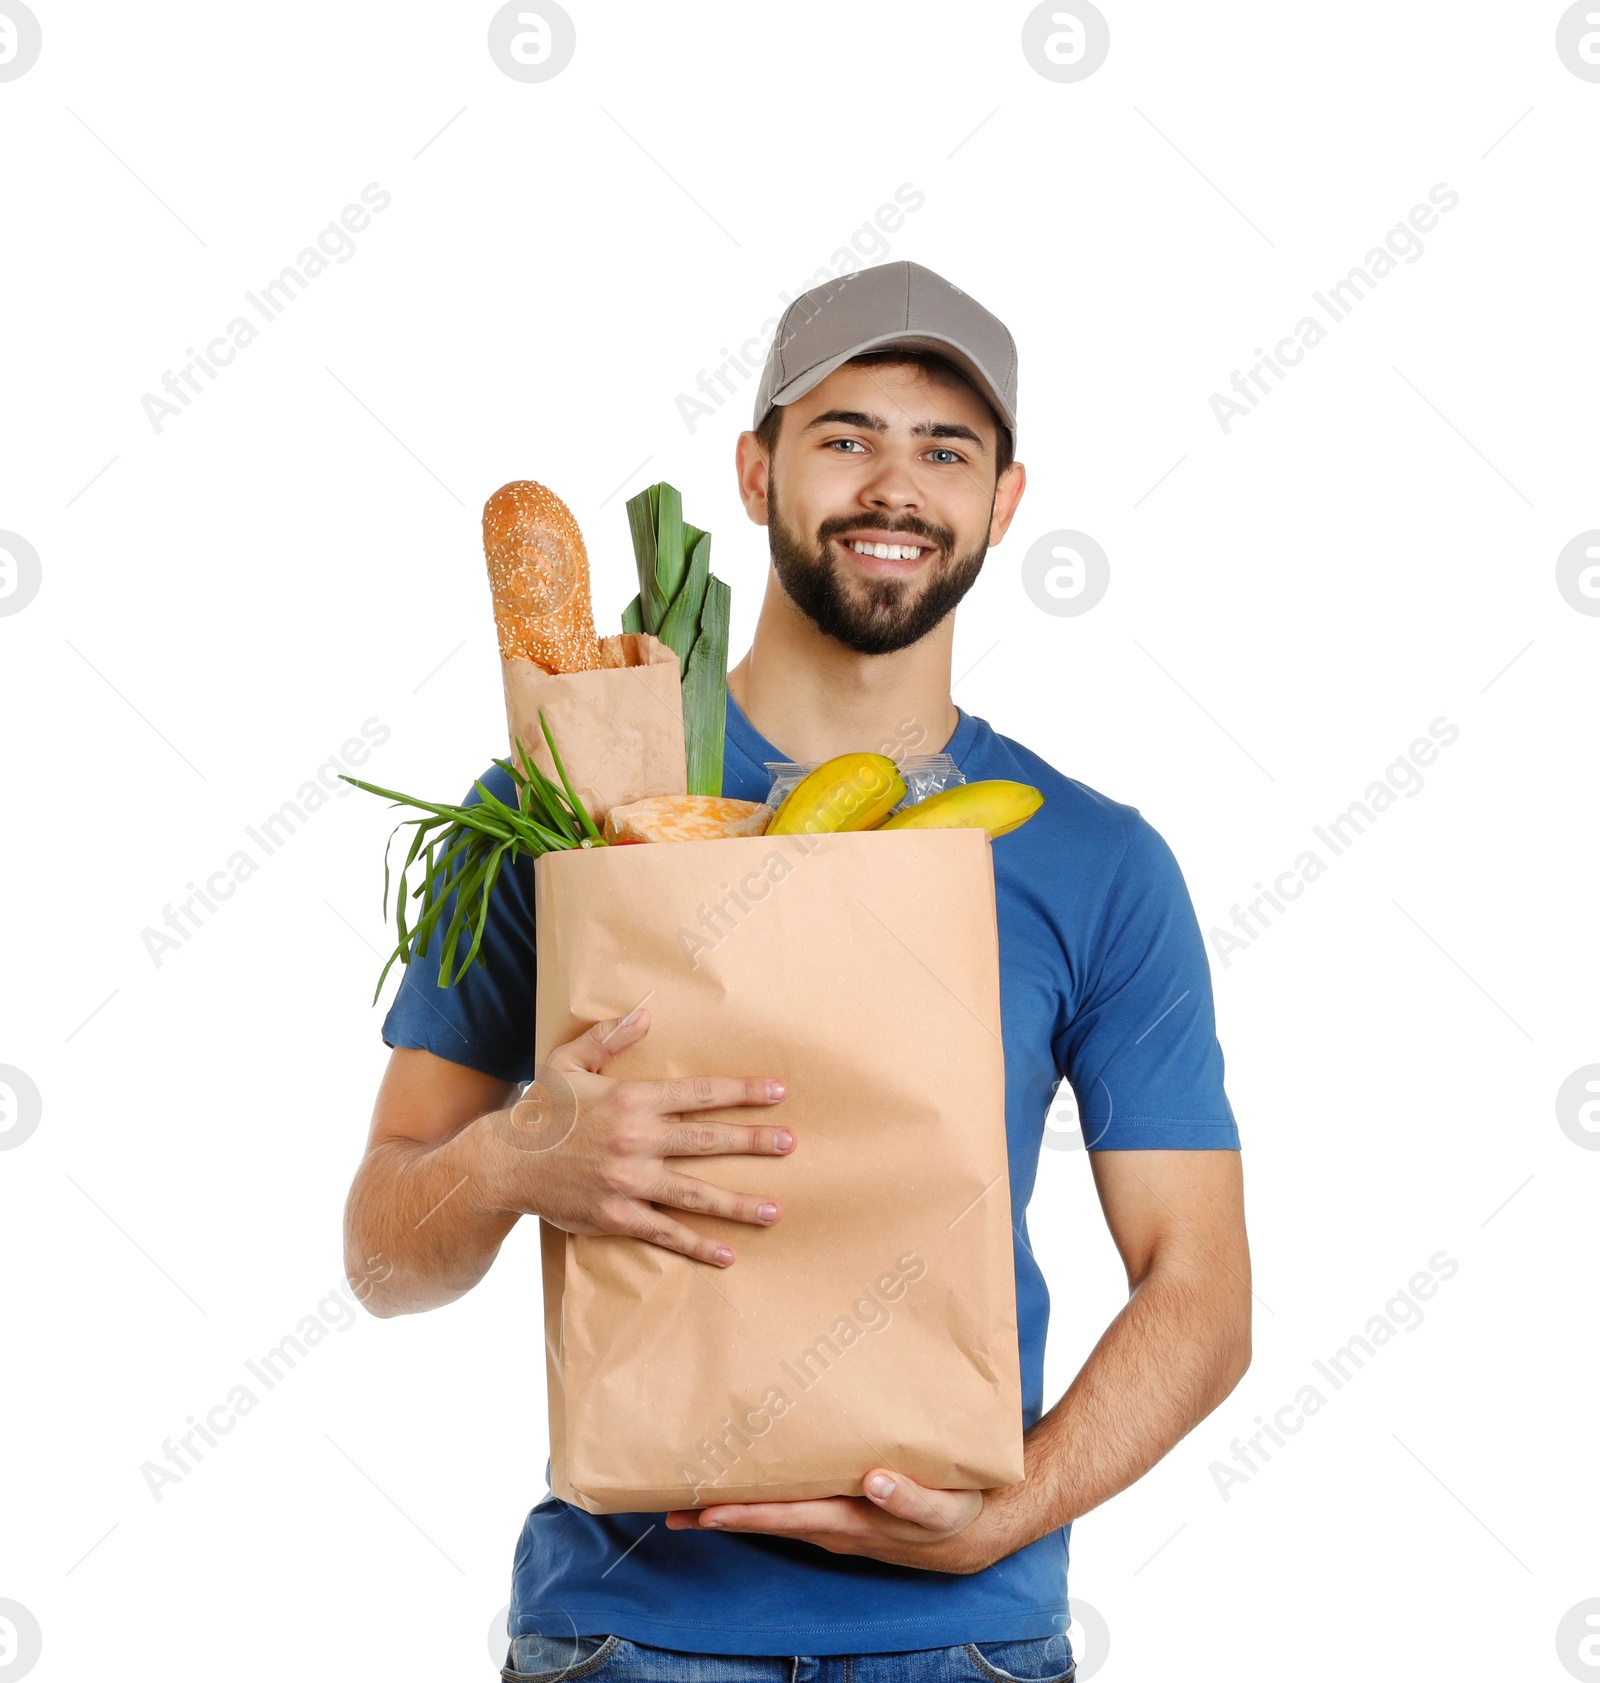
pixel 20 40
pixel 20 573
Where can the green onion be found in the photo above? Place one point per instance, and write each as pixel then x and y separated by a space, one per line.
pixel 566 782
pixel 680 602
pixel 460 851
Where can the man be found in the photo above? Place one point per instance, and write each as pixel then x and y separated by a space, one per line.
pixel 882 466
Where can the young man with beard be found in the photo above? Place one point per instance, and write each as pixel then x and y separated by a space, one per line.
pixel 882 467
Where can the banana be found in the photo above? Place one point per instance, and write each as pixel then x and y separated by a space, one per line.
pixel 995 805
pixel 848 792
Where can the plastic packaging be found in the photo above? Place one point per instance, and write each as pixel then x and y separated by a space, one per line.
pixel 925 774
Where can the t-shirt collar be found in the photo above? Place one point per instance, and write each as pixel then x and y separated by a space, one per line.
pixel 755 747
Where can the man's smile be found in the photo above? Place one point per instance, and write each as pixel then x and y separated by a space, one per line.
pixel 894 554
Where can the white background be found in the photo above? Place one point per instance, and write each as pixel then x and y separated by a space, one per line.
pixel 1370 549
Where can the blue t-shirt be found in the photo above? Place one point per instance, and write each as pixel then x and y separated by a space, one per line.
pixel 1104 981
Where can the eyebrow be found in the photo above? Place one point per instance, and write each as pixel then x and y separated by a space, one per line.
pixel 876 423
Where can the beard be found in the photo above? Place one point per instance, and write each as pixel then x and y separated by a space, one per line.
pixel 871 616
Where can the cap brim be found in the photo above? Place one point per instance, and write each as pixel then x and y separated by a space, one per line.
pixel 951 349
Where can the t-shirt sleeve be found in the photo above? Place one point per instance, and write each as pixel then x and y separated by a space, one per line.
pixel 485 1020
pixel 1141 1050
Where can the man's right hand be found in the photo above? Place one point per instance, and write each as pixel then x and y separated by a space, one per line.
pixel 454 1157
pixel 586 1152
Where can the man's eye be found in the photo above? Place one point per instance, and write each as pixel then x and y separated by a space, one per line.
pixel 846 443
pixel 945 455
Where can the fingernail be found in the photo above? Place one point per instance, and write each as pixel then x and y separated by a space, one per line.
pixel 723 1254
pixel 711 1524
pixel 880 1485
pixel 766 1212
pixel 783 1140
pixel 776 1089
pixel 631 1016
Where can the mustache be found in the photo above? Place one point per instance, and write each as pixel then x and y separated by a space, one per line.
pixel 911 524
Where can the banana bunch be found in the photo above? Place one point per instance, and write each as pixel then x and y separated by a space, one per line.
pixel 859 791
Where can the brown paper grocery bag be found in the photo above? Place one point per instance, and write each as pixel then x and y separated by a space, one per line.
pixel 619 727
pixel 876 1321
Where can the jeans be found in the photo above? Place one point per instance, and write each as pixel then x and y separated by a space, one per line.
pixel 614 1659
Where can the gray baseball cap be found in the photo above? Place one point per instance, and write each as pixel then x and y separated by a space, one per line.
pixel 891 305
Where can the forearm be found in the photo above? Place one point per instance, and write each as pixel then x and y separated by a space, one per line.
pixel 419 1231
pixel 1177 1348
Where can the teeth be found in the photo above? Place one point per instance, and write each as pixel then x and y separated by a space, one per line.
pixel 886 551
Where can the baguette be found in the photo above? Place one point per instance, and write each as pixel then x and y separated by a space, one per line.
pixel 539 577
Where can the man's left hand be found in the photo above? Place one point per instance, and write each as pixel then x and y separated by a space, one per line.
pixel 896 1520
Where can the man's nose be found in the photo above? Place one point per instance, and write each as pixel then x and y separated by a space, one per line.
pixel 893 486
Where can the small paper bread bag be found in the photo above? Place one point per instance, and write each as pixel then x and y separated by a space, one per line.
pixel 875 1323
pixel 619 727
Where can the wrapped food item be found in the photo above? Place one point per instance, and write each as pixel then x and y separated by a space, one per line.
pixel 686 818
pixel 924 774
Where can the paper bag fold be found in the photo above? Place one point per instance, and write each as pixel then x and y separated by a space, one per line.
pixel 619 726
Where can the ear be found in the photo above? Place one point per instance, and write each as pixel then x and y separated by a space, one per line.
pixel 1007 494
pixel 754 473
